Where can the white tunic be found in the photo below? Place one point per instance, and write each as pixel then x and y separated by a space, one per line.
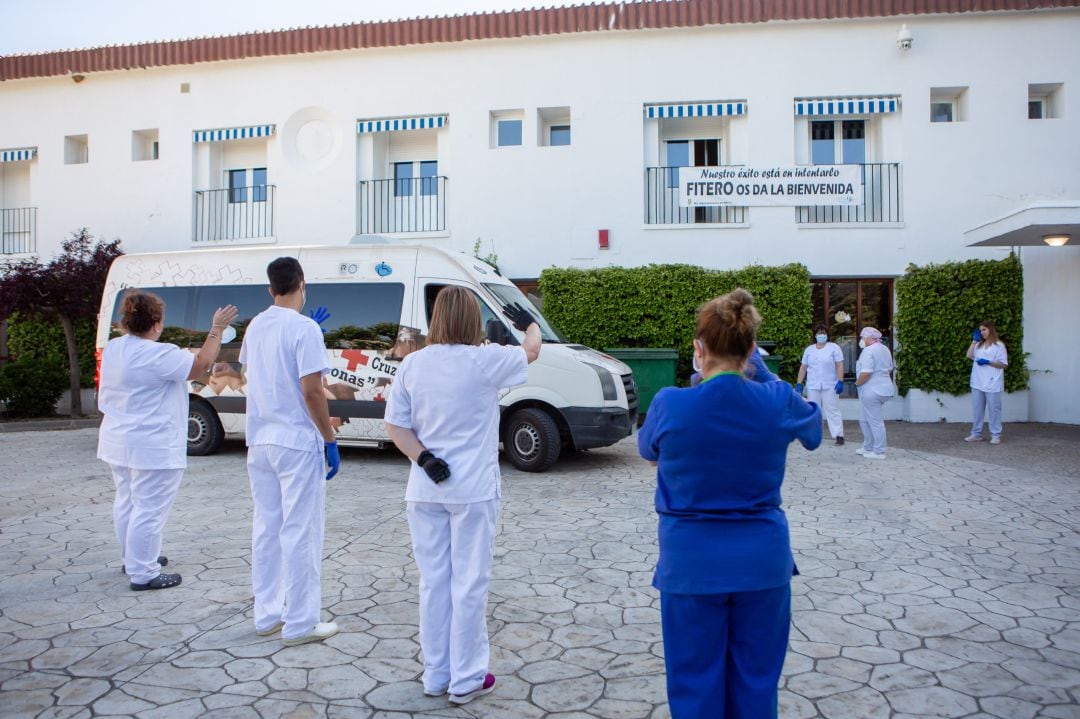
pixel 449 396
pixel 821 365
pixel 986 378
pixel 144 397
pixel 281 346
pixel 877 360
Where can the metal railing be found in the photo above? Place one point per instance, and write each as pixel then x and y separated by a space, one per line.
pixel 237 213
pixel 414 204
pixel 662 203
pixel 881 199
pixel 18 231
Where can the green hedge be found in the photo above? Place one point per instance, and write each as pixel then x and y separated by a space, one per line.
pixel 32 389
pixel 937 308
pixel 656 306
pixel 43 341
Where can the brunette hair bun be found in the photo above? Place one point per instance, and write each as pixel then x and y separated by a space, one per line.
pixel 140 311
pixel 727 325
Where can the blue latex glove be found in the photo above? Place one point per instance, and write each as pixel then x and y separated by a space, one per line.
pixel 320 314
pixel 976 335
pixel 982 361
pixel 798 389
pixel 333 459
pixel 839 388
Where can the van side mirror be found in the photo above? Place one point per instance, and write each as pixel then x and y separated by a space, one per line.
pixel 496 332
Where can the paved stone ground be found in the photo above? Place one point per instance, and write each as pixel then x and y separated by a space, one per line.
pixel 932 585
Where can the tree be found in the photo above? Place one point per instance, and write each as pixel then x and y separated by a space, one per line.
pixel 67 289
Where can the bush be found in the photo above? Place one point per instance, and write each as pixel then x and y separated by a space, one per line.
pixel 43 341
pixel 937 308
pixel 31 389
pixel 656 306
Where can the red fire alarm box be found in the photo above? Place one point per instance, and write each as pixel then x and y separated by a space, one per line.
pixel 603 237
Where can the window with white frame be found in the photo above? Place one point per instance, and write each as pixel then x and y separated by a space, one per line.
pixel 144 145
pixel 507 128
pixel 948 104
pixel 76 149
pixel 554 126
pixel 1044 101
pixel 238 185
pixel 838 142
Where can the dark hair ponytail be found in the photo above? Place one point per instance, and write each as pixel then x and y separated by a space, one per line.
pixel 728 324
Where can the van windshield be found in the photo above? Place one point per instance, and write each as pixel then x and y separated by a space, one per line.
pixel 508 295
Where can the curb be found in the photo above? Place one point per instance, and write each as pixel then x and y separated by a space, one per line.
pixel 45 425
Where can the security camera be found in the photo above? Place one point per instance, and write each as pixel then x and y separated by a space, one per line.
pixel 904 38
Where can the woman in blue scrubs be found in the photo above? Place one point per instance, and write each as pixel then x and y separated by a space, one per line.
pixel 725 565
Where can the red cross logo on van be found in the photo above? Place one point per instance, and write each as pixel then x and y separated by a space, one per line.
pixel 354 358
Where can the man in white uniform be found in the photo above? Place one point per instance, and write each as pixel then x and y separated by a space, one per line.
pixel 288 436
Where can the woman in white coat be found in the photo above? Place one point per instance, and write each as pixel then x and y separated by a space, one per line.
pixel 823 370
pixel 873 377
pixel 143 395
pixel 443 413
pixel 988 362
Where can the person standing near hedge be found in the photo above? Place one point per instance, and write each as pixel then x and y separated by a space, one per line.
pixel 873 377
pixel 989 360
pixel 144 396
pixel 725 565
pixel 823 369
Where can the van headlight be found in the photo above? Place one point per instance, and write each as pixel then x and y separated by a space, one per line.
pixel 607 384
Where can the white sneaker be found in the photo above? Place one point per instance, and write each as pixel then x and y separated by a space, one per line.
pixel 872 455
pixel 973 438
pixel 322 630
pixel 861 451
pixel 995 440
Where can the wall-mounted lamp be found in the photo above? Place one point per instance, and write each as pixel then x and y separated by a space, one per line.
pixel 904 38
pixel 77 78
pixel 1056 240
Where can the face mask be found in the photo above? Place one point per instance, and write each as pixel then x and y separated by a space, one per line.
pixel 228 335
pixel 822 339
pixel 693 360
pixel 862 344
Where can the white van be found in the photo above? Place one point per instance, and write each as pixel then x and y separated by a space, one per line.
pixel 380 299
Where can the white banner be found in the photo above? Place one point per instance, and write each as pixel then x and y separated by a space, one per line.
pixel 770 186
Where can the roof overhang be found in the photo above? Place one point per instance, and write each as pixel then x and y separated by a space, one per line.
pixel 1026 227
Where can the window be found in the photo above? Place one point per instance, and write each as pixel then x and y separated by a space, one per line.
pixel 405 184
pixel 403 174
pixel 845 307
pixel 507 128
pixel 509 133
pixel 942 111
pixel 76 150
pixel 559 135
pixel 948 104
pixel 237 186
pixel 431 291
pixel 678 155
pixel 825 150
pixel 144 145
pixel 363 315
pixel 429 183
pixel 178 302
pixel 1044 101
pixel 258 184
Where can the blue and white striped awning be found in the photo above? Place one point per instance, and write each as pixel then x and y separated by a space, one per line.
pixel 233 133
pixel 696 109
pixel 397 124
pixel 18 154
pixel 847 106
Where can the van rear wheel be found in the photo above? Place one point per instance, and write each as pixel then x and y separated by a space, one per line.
pixel 205 433
pixel 531 440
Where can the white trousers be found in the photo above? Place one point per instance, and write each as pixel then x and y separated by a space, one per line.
pixel 829 401
pixel 143 500
pixel 980 401
pixel 453 545
pixel 872 422
pixel 289 490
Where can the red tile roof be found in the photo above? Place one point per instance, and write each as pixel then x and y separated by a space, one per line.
pixel 601 17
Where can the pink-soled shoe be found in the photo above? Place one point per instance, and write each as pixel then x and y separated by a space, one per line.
pixel 486 688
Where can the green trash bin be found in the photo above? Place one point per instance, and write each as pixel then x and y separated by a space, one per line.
pixel 653 368
pixel 773 363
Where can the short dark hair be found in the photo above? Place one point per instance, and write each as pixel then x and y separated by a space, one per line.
pixel 285 274
pixel 821 328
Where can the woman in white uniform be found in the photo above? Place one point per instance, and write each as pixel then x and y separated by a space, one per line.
pixel 873 377
pixel 989 360
pixel 443 413
pixel 823 369
pixel 144 396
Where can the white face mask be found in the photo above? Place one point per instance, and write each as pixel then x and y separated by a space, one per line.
pixel 693 360
pixel 228 335
pixel 822 339
pixel 862 344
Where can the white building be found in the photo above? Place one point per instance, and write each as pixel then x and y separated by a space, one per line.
pixel 547 134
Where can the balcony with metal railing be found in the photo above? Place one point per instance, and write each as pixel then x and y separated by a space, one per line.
pixel 234 214
pixel 18 231
pixel 662 203
pixel 413 204
pixel 882 200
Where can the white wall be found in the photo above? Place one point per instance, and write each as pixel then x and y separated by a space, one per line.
pixel 1052 331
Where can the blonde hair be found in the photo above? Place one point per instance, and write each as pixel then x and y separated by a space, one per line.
pixel 727 325
pixel 456 318
pixel 140 311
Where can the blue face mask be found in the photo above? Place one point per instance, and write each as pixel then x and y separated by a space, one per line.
pixel 822 339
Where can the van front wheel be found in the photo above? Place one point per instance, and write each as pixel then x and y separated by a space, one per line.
pixel 204 434
pixel 531 440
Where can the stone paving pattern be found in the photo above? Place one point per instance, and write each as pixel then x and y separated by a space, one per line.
pixel 932 585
